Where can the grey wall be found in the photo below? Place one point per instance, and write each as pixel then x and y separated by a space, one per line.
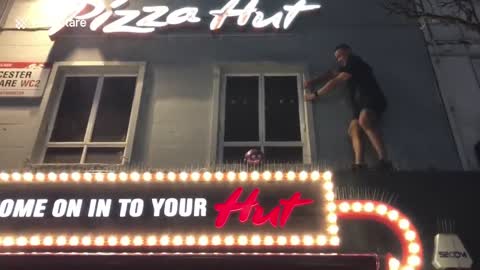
pixel 174 121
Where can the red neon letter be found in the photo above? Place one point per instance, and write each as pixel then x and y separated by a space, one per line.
pixel 233 205
pixel 289 205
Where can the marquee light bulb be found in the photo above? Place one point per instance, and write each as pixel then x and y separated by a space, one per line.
pixel 330 196
pixel 255 176
pixel 86 241
pixel 294 240
pixel 112 177
pixel 138 240
pixel 321 240
pixel 267 175
pixel 4 176
pixel 242 240
pixel 219 176
pixel 216 240
pixel 48 241
pixel 357 207
pixel 171 176
pixel 303 176
pixel 327 176
pixel 279 176
pixel 328 186
pixel 268 241
pixel 331 206
pixel 16 176
pixel 28 176
pixel 207 176
pixel 147 177
pixel 87 177
pixel 203 240
pixel 393 215
pixel 195 176
pixel 382 210
pixel 177 240
pixel 112 241
pixel 52 177
pixel 308 240
pixel 74 241
pixel 123 176
pixel 159 176
pixel 229 240
pixel 35 240
pixel 63 177
pixel 332 218
pixel 190 240
pixel 8 241
pixel 99 177
pixel 404 224
pixel 332 229
pixel 335 241
pixel 410 235
pixel 414 260
pixel 315 176
pixel 99 241
pixel 413 248
pixel 393 264
pixel 243 176
pixel 291 176
pixel 281 240
pixel 344 207
pixel 61 240
pixel 183 176
pixel 231 176
pixel 22 241
pixel 152 240
pixel 369 207
pixel 256 240
pixel 165 240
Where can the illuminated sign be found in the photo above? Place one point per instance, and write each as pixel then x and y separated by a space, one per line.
pixel 117 19
pixel 154 211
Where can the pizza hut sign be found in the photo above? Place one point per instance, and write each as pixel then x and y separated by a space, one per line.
pixel 116 18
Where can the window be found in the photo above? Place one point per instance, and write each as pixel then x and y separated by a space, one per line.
pixel 262 112
pixel 94 118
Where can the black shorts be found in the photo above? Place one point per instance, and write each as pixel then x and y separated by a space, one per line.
pixel 375 104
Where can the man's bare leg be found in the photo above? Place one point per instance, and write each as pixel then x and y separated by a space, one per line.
pixel 367 122
pixel 355 132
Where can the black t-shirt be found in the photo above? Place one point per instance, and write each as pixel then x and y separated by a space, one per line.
pixel 362 84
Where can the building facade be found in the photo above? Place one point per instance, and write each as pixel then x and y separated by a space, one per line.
pixel 182 105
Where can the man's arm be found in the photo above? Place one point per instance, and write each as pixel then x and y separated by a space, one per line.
pixel 330 85
pixel 320 79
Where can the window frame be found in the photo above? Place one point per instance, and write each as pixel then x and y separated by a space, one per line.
pixel 4 10
pixel 304 112
pixel 52 100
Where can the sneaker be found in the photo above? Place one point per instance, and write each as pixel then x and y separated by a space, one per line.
pixel 359 167
pixel 384 165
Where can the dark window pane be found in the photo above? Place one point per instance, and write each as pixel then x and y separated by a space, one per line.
pixel 63 155
pixel 241 109
pixel 104 155
pixel 235 154
pixel 282 119
pixel 74 111
pixel 284 154
pixel 114 110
